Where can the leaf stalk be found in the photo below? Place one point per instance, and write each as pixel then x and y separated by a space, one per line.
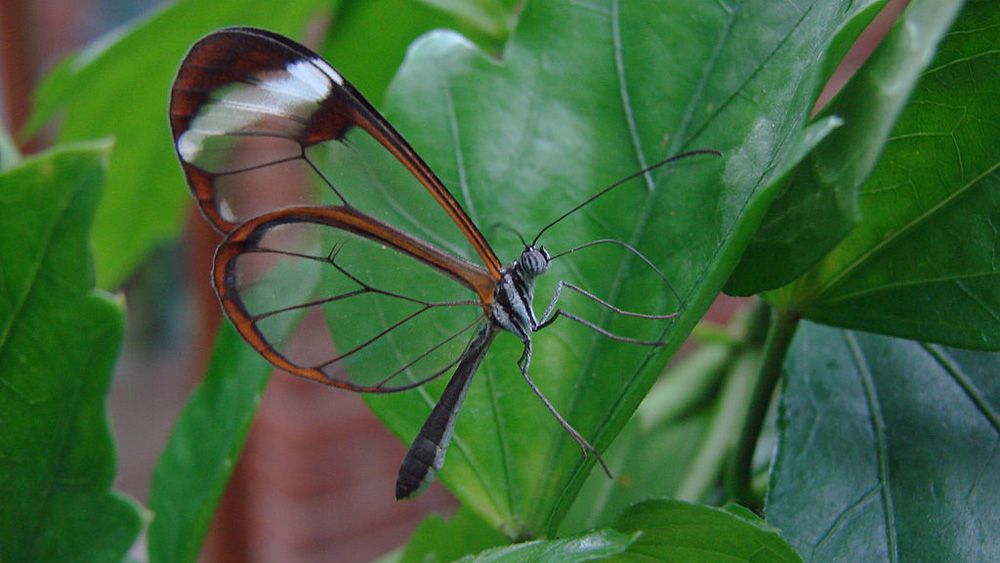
pixel 738 475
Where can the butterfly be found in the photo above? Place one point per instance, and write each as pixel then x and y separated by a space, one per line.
pixel 254 116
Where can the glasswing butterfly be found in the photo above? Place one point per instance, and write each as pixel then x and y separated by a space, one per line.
pixel 253 114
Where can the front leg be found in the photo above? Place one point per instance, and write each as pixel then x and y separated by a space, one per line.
pixel 563 283
pixel 525 359
pixel 551 314
pixel 546 320
pixel 585 446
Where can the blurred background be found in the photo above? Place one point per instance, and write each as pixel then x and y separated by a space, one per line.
pixel 315 482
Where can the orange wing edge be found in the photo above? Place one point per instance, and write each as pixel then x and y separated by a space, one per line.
pixel 478 279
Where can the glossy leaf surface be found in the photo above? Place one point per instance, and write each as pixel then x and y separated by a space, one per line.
pixel 678 532
pixel 923 263
pixel 887 449
pixel 673 445
pixel 59 340
pixel 568 110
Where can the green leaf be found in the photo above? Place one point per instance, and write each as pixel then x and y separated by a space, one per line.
pixel 569 109
pixel 679 532
pixel 59 340
pixel 923 263
pixel 887 450
pixel 596 545
pixel 819 205
pixel 119 87
pixel 816 208
pixel 437 539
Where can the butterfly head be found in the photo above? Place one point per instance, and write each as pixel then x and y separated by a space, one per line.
pixel 534 261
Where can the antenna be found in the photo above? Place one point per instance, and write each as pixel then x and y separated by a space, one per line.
pixel 508 228
pixel 632 176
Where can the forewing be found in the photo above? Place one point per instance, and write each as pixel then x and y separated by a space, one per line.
pixel 399 311
pixel 259 121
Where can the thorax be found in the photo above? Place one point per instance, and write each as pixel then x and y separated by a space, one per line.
pixel 515 292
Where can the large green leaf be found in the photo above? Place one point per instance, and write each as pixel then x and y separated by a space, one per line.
pixel 59 340
pixel 922 264
pixel 679 532
pixel 569 109
pixel 119 87
pixel 887 450
pixel 817 206
pixel 661 530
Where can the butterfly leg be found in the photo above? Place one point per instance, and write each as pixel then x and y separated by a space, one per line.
pixel 524 363
pixel 552 313
pixel 635 252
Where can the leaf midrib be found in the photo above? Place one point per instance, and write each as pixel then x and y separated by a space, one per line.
pixel 911 225
pixel 710 64
pixel 35 268
pixel 590 359
pixel 957 373
pixel 64 433
pixel 878 426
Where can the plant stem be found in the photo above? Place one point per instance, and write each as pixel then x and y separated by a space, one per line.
pixel 738 475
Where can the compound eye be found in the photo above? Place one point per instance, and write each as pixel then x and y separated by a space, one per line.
pixel 534 261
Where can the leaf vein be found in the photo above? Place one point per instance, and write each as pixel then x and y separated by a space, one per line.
pixel 456 141
pixel 842 519
pixel 947 363
pixel 904 229
pixel 960 61
pixel 881 442
pixel 904 284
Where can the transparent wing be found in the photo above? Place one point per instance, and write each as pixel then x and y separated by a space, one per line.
pixel 305 177
pixel 258 118
pixel 394 321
